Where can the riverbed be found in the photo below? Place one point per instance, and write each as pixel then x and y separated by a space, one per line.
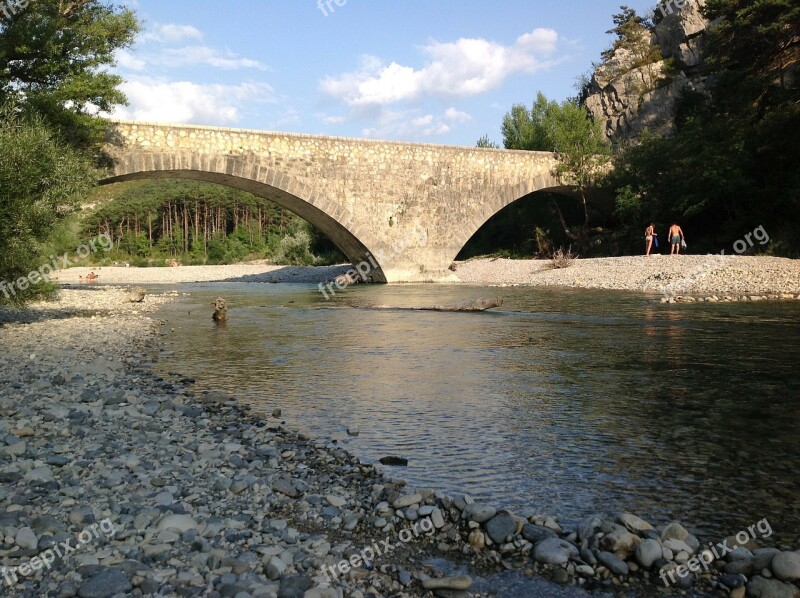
pixel 563 402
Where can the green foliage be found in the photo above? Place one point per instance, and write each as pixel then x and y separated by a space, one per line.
pixel 755 49
pixel 54 59
pixel 731 164
pixel 134 244
pixel 632 34
pixel 634 40
pixel 579 142
pixel 197 223
pixel 295 249
pixel 568 130
pixel 522 230
pixel 226 251
pixel 64 237
pixel 530 130
pixel 40 181
pixel 487 143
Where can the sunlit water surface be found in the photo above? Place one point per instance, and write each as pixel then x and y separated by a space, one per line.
pixel 562 402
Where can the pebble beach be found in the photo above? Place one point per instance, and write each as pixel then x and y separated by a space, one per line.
pixel 679 278
pixel 118 482
pixel 689 276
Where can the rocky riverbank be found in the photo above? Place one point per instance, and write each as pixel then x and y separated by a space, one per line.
pixel 261 273
pixel 117 482
pixel 676 278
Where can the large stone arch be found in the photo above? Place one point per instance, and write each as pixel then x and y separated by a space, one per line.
pixel 249 175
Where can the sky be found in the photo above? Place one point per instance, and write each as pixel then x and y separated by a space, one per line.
pixel 434 71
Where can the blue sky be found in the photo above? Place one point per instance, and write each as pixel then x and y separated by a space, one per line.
pixel 439 71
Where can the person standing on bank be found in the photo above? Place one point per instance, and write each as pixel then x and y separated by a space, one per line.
pixel 649 237
pixel 676 238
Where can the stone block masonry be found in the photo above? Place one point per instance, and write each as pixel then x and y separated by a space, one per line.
pixel 366 195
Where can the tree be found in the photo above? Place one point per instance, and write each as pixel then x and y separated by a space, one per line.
pixel 633 47
pixel 41 180
pixel 54 56
pixel 525 129
pixel 487 143
pixel 756 46
pixel 568 130
pixel 630 30
pixel 582 149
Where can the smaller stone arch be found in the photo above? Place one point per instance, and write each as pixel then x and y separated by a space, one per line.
pixel 549 182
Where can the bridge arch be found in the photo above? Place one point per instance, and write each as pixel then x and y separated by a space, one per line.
pixel 246 174
pixel 544 183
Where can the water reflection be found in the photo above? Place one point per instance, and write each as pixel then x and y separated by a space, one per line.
pixel 565 402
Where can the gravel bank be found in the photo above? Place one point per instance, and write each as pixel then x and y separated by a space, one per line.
pixel 685 275
pixel 229 273
pixel 116 482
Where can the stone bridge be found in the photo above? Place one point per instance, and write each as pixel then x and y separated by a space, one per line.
pixel 406 209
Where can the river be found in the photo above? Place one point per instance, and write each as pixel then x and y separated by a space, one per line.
pixel 561 402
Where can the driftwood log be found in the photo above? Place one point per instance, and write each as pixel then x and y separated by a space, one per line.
pixel 390 460
pixel 480 304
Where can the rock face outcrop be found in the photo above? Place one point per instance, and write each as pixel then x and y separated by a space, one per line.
pixel 628 97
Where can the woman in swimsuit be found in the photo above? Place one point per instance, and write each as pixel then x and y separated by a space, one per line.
pixel 649 233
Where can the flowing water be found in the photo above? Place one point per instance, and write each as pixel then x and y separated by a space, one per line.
pixel 561 402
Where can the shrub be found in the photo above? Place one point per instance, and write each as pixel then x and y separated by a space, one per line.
pixel 563 259
pixel 295 250
pixel 41 180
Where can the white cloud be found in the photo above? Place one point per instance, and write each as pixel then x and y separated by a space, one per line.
pixel 291 117
pixel 203 55
pixel 128 61
pixel 457 116
pixel 173 58
pixel 539 40
pixel 167 53
pixel 186 102
pixel 403 124
pixel 463 68
pixel 170 33
pixel 333 120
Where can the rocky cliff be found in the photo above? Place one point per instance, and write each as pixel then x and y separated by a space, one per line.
pixel 628 96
